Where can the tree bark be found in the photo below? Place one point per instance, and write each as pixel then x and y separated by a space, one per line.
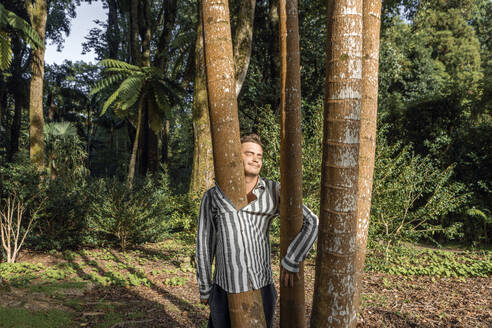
pixel 38 12
pixel 291 298
pixel 368 117
pixel 112 32
pixel 202 176
pixel 243 38
pixel 202 172
pixel 333 301
pixel 134 42
pixel 245 309
pixel 133 158
pixel 165 38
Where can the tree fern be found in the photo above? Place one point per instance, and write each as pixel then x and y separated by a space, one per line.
pixel 130 85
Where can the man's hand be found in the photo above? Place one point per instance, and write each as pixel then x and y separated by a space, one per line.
pixel 287 277
pixel 204 301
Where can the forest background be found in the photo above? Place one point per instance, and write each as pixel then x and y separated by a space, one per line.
pixel 432 175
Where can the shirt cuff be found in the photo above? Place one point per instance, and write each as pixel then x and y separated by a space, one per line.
pixel 289 265
pixel 204 295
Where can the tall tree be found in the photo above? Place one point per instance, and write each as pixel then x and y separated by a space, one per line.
pixel 202 173
pixel 291 298
pixel 333 304
pixel 371 22
pixel 246 309
pixel 38 12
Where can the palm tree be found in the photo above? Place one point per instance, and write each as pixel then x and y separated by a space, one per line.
pixel 246 309
pixel 291 298
pixel 368 117
pixel 10 22
pixel 333 304
pixel 143 87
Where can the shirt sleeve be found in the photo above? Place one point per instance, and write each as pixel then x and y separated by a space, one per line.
pixel 205 247
pixel 302 243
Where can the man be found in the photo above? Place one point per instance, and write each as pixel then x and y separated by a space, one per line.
pixel 239 241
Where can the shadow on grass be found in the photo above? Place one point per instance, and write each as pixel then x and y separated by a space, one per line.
pixel 136 301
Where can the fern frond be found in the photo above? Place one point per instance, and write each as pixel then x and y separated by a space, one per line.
pixel 161 99
pixel 5 51
pixel 114 63
pixel 129 99
pixel 32 37
pixel 131 84
pixel 106 82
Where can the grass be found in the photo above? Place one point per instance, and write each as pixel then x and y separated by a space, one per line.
pixel 22 318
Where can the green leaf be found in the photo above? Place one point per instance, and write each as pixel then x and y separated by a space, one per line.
pixel 130 85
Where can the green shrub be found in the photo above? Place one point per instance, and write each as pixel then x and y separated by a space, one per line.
pixel 411 196
pixel 127 216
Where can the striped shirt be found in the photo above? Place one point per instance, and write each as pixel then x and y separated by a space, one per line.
pixel 239 240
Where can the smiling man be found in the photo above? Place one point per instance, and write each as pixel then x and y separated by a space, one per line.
pixel 239 241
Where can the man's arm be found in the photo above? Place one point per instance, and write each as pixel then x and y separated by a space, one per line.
pixel 302 243
pixel 205 248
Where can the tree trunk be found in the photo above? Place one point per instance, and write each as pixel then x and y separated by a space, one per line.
pixel 291 298
pixel 202 172
pixel 202 176
pixel 333 304
pixel 246 309
pixel 38 12
pixel 368 119
pixel 165 38
pixel 112 32
pixel 133 158
pixel 134 43
pixel 242 41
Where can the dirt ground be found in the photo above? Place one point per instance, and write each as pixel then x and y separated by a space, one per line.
pixel 387 300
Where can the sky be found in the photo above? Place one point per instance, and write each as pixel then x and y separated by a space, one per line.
pixel 80 26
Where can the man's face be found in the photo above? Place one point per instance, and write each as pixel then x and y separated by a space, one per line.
pixel 252 155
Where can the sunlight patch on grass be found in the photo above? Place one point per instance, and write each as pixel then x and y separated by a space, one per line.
pixel 22 318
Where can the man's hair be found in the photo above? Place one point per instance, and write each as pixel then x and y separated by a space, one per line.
pixel 253 137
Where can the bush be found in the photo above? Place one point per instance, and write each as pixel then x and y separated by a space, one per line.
pixel 411 196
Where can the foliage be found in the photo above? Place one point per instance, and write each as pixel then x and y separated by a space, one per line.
pixel 135 83
pixel 129 216
pixel 64 150
pixel 10 22
pixel 407 260
pixel 411 196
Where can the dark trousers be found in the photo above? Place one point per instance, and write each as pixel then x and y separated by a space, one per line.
pixel 219 308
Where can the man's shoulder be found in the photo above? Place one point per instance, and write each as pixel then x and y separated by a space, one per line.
pixel 270 185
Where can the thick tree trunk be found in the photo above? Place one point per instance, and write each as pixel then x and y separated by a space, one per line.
pixel 38 12
pixel 242 41
pixel 202 172
pixel 368 119
pixel 112 32
pixel 165 38
pixel 291 298
pixel 333 302
pixel 134 42
pixel 202 176
pixel 246 309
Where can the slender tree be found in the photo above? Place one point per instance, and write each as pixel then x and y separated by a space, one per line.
pixel 368 118
pixel 38 12
pixel 246 309
pixel 291 298
pixel 333 304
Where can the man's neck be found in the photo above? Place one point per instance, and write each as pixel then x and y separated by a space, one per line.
pixel 250 181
